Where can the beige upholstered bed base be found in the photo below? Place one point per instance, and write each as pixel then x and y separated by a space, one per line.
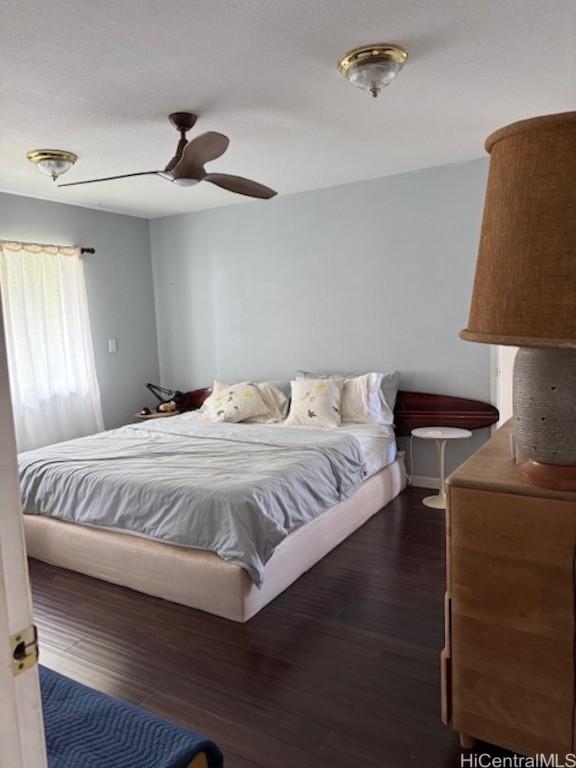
pixel 201 579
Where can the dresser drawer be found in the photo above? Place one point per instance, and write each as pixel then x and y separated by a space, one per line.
pixel 511 619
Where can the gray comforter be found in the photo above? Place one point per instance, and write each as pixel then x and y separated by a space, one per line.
pixel 236 490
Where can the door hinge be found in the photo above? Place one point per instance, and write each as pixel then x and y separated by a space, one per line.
pixel 24 649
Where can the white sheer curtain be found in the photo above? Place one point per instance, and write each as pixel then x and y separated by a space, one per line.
pixel 53 380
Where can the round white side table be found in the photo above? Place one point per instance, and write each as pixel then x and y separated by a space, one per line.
pixel 441 435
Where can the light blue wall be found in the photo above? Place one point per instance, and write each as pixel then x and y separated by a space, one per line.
pixel 120 291
pixel 367 276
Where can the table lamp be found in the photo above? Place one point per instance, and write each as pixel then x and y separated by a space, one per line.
pixel 525 287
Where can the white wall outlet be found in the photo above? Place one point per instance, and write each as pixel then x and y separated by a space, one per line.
pixel 112 345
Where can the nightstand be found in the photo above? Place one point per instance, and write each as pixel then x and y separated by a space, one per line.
pixel 440 435
pixel 156 415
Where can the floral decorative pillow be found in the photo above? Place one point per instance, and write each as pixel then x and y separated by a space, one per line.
pixel 234 403
pixel 364 397
pixel 316 402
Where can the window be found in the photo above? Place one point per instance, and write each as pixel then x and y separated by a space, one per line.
pixel 53 380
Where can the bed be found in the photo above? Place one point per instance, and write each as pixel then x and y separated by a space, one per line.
pixel 362 461
pixel 221 517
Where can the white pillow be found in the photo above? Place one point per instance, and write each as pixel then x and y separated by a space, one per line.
pixel 276 402
pixel 316 402
pixel 234 403
pixel 363 401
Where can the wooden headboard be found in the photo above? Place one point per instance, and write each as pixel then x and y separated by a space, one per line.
pixel 191 401
pixel 413 409
pixel 420 409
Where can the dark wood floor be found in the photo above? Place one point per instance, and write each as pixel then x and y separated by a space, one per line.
pixel 340 670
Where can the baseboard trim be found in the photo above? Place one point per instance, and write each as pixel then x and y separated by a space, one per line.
pixel 421 481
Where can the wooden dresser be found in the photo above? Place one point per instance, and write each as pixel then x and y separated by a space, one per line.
pixel 508 670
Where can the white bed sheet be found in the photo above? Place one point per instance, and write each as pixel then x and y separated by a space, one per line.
pixel 377 442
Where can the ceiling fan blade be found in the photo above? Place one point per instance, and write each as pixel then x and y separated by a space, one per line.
pixel 109 178
pixel 240 185
pixel 202 149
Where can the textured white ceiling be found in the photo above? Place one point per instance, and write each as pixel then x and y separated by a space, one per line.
pixel 98 77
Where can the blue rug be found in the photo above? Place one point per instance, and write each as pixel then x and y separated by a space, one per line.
pixel 87 729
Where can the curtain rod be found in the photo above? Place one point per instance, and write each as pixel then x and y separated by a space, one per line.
pixel 45 245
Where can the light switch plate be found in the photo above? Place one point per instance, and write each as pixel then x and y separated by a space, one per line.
pixel 112 345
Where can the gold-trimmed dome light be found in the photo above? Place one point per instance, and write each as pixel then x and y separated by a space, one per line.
pixel 373 67
pixel 52 162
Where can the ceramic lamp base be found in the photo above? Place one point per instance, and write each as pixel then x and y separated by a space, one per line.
pixel 553 476
pixel 545 416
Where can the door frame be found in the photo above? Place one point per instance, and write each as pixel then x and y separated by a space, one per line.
pixel 501 373
pixel 21 725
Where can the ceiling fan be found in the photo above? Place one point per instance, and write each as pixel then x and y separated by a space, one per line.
pixel 186 168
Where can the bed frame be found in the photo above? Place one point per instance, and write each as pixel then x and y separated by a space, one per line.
pixel 203 580
pixel 198 578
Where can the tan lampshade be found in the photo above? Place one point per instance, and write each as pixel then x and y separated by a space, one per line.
pixel 525 285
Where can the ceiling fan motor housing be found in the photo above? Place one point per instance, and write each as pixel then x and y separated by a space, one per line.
pixel 183 121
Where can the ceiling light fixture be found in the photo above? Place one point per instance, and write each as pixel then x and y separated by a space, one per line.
pixel 52 162
pixel 372 67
